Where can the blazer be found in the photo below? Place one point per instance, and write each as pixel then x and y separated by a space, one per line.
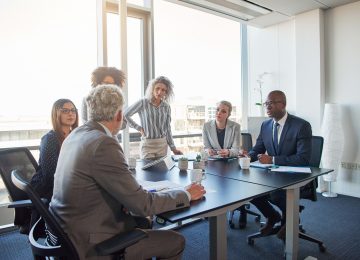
pixel 231 140
pixel 294 143
pixel 93 187
pixel 43 180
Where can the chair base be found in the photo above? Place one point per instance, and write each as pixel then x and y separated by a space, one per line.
pixel 244 210
pixel 302 235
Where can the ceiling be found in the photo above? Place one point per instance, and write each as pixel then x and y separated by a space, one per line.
pixel 261 13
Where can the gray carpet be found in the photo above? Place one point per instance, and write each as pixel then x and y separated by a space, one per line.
pixel 334 220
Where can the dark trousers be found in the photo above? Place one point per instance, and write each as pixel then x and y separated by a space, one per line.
pixel 277 198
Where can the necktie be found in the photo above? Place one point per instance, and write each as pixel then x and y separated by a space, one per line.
pixel 276 141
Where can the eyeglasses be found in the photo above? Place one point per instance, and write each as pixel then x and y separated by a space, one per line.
pixel 67 111
pixel 270 103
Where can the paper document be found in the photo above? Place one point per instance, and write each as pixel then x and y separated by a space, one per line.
pixel 154 186
pixel 291 169
pixel 258 164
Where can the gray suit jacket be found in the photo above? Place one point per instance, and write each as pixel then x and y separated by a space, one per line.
pixel 231 140
pixel 92 185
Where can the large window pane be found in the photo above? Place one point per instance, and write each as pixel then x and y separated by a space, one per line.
pixel 47 50
pixel 200 53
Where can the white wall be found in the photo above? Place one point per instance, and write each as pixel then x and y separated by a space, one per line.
pixel 342 77
pixel 272 50
pixel 315 59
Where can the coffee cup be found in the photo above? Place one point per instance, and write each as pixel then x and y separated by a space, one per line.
pixel 244 162
pixel 204 155
pixel 197 175
pixel 132 163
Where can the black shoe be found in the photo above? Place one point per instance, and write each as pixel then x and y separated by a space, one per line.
pixel 268 227
pixel 282 233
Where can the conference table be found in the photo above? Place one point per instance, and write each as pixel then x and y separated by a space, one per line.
pixel 227 188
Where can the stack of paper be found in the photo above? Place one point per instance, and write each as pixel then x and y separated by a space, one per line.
pixel 154 186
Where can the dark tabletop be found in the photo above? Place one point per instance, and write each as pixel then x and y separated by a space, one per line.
pixel 220 192
pixel 231 169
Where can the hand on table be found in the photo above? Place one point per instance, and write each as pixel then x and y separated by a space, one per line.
pixel 264 158
pixel 177 152
pixel 223 152
pixel 196 191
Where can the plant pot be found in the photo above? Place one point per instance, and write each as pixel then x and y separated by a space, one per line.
pixel 183 165
pixel 199 165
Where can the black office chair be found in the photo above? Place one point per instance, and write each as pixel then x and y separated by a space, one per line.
pixel 247 144
pixel 57 243
pixel 22 160
pixel 307 191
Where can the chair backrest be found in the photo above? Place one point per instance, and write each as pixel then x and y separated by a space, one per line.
pixel 309 190
pixel 20 159
pixel 246 141
pixel 64 247
pixel 317 143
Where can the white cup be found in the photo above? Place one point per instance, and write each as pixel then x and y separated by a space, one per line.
pixel 132 163
pixel 244 162
pixel 197 175
pixel 204 155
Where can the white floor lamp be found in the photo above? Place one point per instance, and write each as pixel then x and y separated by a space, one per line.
pixel 333 134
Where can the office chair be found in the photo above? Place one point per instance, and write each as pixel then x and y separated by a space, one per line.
pixel 246 141
pixel 22 160
pixel 307 191
pixel 56 243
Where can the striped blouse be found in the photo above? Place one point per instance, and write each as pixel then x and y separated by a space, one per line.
pixel 154 120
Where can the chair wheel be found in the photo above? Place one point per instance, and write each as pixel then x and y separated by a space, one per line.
pixel 257 219
pixel 160 221
pixel 322 248
pixel 250 241
pixel 232 226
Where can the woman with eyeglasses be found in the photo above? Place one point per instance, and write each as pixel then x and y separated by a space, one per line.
pixel 221 136
pixel 64 118
pixel 155 117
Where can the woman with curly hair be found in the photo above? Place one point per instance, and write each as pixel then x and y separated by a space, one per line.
pixel 155 116
pixel 103 75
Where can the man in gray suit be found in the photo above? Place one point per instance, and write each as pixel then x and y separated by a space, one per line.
pixel 94 190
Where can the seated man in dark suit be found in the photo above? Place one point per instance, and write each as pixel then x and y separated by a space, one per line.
pixel 283 140
pixel 94 190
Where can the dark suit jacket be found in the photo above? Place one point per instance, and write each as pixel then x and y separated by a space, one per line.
pixel 92 185
pixel 294 144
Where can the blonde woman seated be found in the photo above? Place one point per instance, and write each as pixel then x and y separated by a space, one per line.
pixel 222 136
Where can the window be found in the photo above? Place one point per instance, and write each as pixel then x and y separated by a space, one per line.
pixel 201 54
pixel 48 51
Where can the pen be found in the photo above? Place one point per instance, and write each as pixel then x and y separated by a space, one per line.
pixel 155 190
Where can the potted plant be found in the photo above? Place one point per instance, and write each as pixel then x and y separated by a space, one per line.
pixel 260 81
pixel 199 163
pixel 183 163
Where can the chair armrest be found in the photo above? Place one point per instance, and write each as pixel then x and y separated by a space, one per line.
pixel 20 204
pixel 119 242
pixel 24 203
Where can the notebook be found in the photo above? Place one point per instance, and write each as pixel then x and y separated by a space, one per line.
pixel 189 156
pixel 166 160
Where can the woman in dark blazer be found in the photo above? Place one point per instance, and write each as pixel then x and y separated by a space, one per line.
pixel 64 118
pixel 222 136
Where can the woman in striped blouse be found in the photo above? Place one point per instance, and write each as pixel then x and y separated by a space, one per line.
pixel 155 117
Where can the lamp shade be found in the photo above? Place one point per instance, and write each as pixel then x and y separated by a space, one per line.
pixel 332 131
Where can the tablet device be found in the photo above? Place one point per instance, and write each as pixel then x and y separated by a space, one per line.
pixel 166 160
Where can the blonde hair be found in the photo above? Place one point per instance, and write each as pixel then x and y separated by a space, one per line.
pixel 164 80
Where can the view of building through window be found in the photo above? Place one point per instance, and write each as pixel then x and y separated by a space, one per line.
pixel 44 61
pixel 201 54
